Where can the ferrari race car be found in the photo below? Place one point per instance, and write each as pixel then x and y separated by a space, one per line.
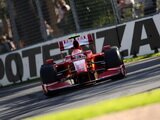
pixel 82 68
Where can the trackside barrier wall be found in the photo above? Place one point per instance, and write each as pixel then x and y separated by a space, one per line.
pixel 135 37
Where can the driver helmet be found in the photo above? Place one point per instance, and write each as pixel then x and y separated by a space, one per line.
pixel 76 44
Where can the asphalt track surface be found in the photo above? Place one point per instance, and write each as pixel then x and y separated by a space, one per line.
pixel 28 100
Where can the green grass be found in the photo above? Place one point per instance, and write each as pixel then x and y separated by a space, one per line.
pixel 143 57
pixel 104 107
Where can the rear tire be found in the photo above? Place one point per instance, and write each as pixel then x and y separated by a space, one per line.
pixel 121 75
pixel 112 58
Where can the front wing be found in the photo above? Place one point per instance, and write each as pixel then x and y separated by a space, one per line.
pixel 109 73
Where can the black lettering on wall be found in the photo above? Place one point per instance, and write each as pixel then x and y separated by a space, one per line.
pixel 19 66
pixel 112 36
pixel 31 54
pixel 124 53
pixel 120 33
pixel 1 69
pixel 46 52
pixel 153 38
pixel 59 56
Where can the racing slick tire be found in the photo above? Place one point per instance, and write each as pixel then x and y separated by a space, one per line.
pixel 112 58
pixel 123 73
pixel 48 75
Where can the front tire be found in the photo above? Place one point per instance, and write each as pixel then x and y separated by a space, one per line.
pixel 48 74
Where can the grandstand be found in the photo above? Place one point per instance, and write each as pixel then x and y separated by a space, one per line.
pixel 35 21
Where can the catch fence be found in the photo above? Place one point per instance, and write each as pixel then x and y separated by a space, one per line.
pixel 34 21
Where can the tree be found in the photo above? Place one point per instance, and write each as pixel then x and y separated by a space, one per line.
pixel 3 16
pixel 2 9
pixel 94 13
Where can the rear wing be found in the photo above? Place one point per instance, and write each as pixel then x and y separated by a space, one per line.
pixel 83 40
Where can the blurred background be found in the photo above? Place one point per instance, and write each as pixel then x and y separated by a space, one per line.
pixel 27 22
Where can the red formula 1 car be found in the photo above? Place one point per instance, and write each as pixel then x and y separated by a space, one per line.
pixel 81 68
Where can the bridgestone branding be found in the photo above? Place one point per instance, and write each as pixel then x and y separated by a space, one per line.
pixel 135 37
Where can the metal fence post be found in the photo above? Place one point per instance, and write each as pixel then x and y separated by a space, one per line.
pixel 75 16
pixel 10 9
pixel 115 11
pixel 117 17
pixel 42 22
